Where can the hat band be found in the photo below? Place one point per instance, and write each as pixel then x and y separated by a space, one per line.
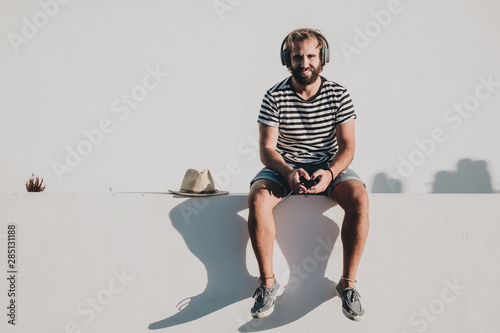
pixel 201 192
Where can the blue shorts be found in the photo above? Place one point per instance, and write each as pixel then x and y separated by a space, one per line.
pixel 272 175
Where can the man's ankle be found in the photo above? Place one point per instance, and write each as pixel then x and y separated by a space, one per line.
pixel 267 282
pixel 347 283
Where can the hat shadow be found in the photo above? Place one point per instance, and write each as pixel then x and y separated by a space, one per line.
pixel 218 237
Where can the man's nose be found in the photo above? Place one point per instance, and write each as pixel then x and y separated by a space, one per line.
pixel 304 62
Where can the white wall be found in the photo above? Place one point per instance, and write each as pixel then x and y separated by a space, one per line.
pixel 406 63
pixel 130 263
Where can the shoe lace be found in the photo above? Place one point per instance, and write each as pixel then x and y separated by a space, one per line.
pixel 261 292
pixel 353 295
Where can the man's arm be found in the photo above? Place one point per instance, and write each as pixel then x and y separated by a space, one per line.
pixel 341 160
pixel 268 141
pixel 346 142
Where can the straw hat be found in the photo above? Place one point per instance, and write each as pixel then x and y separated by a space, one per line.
pixel 198 184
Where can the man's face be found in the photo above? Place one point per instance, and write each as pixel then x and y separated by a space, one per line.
pixel 306 62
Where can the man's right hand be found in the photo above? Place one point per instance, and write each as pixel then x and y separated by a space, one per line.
pixel 293 179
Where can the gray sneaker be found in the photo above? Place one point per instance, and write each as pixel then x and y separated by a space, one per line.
pixel 264 300
pixel 351 305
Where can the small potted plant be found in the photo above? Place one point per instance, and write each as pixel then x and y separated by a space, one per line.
pixel 35 184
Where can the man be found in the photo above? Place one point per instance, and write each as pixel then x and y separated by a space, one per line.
pixel 306 129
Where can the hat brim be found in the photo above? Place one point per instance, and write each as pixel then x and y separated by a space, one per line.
pixel 194 194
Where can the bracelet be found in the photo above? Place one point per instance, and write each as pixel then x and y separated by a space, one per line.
pixel 266 278
pixel 331 174
pixel 343 278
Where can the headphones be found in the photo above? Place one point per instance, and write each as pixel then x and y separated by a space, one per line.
pixel 324 52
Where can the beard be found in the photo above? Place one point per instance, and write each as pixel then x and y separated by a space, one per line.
pixel 305 80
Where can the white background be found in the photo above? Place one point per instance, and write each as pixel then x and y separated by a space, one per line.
pixel 409 68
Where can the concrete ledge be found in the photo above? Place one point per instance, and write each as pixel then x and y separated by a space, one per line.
pixel 141 262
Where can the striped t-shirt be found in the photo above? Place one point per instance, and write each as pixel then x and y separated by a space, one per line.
pixel 307 131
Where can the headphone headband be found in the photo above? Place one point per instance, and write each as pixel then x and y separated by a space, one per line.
pixel 324 52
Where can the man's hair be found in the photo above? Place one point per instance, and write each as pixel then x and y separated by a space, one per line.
pixel 303 34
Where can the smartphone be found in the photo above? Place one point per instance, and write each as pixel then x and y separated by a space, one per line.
pixel 308 183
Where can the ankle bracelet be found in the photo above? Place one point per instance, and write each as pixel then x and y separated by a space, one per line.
pixel 266 278
pixel 343 278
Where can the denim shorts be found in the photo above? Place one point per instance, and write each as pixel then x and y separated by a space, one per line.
pixel 272 175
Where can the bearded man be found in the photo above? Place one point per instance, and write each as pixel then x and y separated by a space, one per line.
pixel 306 143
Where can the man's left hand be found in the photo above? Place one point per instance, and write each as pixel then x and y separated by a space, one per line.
pixel 325 178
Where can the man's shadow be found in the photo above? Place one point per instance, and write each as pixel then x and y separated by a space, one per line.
pixel 383 183
pixel 470 177
pixel 218 237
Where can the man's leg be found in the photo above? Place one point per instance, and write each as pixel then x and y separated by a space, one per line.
pixel 263 197
pixel 351 195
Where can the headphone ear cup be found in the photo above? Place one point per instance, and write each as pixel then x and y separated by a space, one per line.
pixel 284 57
pixel 326 55
pixel 326 52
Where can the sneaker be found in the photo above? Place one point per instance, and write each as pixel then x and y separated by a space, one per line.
pixel 351 305
pixel 264 300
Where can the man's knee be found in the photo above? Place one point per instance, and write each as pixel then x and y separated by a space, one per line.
pixel 264 193
pixel 360 196
pixel 351 195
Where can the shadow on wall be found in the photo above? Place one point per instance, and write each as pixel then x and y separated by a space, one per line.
pixel 470 177
pixel 218 237
pixel 382 183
